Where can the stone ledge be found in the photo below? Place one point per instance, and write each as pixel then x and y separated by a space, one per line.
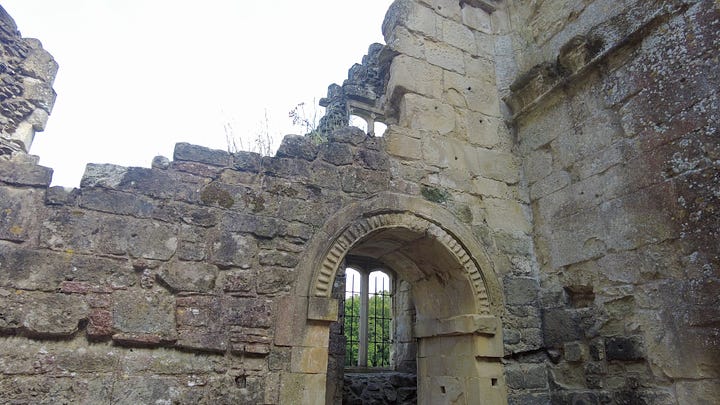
pixel 579 56
pixel 457 325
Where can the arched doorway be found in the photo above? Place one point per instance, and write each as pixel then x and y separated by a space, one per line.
pixel 456 294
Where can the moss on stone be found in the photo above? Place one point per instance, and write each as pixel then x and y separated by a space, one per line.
pixel 212 194
pixel 435 194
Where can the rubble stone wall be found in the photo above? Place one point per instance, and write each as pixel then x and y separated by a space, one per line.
pixel 166 280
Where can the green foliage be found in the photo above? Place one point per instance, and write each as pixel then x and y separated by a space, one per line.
pixel 379 314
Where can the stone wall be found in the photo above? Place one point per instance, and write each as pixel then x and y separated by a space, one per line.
pixel 380 388
pixel 546 192
pixel 618 129
pixel 165 278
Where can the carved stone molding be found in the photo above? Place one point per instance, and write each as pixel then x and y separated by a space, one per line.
pixel 362 228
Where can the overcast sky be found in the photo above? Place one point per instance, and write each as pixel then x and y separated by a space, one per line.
pixel 137 76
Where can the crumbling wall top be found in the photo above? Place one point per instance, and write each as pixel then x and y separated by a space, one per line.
pixel 26 94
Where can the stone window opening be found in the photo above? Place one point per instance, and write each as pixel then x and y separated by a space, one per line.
pixel 368 315
pixel 367 118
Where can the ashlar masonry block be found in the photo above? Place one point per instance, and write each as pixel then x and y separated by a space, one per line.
pixel 419 112
pixel 404 74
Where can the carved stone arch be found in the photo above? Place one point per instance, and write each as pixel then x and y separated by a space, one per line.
pixel 320 263
pixel 456 293
pixel 363 227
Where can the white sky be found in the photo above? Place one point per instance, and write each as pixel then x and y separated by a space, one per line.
pixel 137 76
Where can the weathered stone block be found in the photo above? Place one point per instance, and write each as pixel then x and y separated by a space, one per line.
pixel 418 112
pixel 444 56
pixel 338 154
pixel 188 276
pixel 143 318
pixel 624 348
pixel 103 175
pixel 275 280
pixel 322 309
pixel 521 291
pixel 297 146
pixel 247 161
pixel 42 315
pixel 230 249
pixel 51 269
pixel 18 219
pixel 372 160
pixel 402 73
pixel 480 129
pixel 574 352
pixel 557 180
pixel 506 215
pixel 239 282
pixel 100 324
pixel 400 145
pixel 476 18
pixel 459 36
pixel 406 42
pixel 25 174
pixel 447 8
pixel 559 326
pixel 526 376
pixel 537 165
pixel 248 312
pixel 285 167
pixel 475 94
pixel 115 202
pixel 200 154
pixel 352 135
pixel 363 181
pixel 413 16
pixel 162 184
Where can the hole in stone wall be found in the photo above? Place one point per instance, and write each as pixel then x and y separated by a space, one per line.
pixel 442 389
pixel 581 296
pixel 493 382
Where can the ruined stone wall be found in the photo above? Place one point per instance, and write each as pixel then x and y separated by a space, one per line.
pixel 451 135
pixel 164 283
pixel 546 191
pixel 27 72
pixel 617 123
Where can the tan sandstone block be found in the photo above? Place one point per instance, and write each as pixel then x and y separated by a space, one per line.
pixel 478 95
pixel 410 75
pixel 421 113
pixel 507 215
pixel 459 36
pixel 312 360
pixel 445 56
pixel 299 388
pixel 477 19
pixel 407 43
pixel 399 144
pixel 316 335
